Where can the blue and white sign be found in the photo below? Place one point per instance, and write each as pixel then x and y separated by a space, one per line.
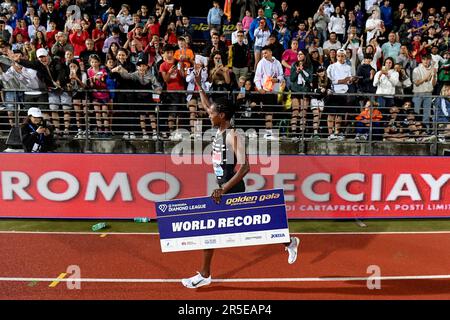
pixel 241 219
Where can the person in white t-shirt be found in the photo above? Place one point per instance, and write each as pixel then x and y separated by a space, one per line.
pixel 234 35
pixel 386 80
pixel 373 26
pixel 268 79
pixel 340 74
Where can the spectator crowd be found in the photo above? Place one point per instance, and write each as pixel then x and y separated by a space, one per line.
pixel 339 71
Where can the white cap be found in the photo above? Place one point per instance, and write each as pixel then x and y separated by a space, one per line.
pixel 35 112
pixel 41 52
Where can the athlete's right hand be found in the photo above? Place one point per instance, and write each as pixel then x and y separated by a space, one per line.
pixel 217 195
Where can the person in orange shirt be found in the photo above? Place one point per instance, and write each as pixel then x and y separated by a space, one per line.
pixel 184 54
pixel 364 122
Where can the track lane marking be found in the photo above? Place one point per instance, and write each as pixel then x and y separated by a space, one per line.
pixel 297 233
pixel 56 281
pixel 241 280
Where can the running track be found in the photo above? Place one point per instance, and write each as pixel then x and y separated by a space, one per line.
pixel 131 266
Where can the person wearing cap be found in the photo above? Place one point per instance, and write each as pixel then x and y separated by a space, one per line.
pixel 37 133
pixel 53 77
pixel 143 79
pixel 282 33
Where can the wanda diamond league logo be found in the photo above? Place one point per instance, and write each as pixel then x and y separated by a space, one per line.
pixel 162 207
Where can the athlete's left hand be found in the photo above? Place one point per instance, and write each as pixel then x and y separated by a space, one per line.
pixel 217 195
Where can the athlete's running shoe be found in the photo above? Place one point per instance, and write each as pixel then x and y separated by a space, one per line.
pixel 196 281
pixel 292 249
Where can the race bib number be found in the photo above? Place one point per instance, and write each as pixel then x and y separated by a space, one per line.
pixel 218 171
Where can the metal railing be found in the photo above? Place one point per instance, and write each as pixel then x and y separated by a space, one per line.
pixel 136 113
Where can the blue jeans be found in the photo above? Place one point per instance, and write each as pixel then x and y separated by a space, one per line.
pixel 384 103
pixel 422 106
pixel 377 131
pixel 323 36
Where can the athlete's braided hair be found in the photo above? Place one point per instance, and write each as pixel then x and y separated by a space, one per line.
pixel 225 105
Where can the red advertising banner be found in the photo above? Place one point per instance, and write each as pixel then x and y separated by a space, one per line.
pixel 316 187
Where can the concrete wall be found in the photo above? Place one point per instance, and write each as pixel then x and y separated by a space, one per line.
pixel 321 147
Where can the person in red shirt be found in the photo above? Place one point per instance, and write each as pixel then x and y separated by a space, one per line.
pixel 171 37
pixel 22 28
pixel 173 75
pixel 137 34
pixel 152 27
pixel 418 48
pixel 98 35
pixel 51 39
pixel 154 50
pixel 78 39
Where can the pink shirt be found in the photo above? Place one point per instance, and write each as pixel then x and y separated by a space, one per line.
pixel 99 84
pixel 290 57
pixel 246 22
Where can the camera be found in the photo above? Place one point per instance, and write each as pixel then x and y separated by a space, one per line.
pixel 45 124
